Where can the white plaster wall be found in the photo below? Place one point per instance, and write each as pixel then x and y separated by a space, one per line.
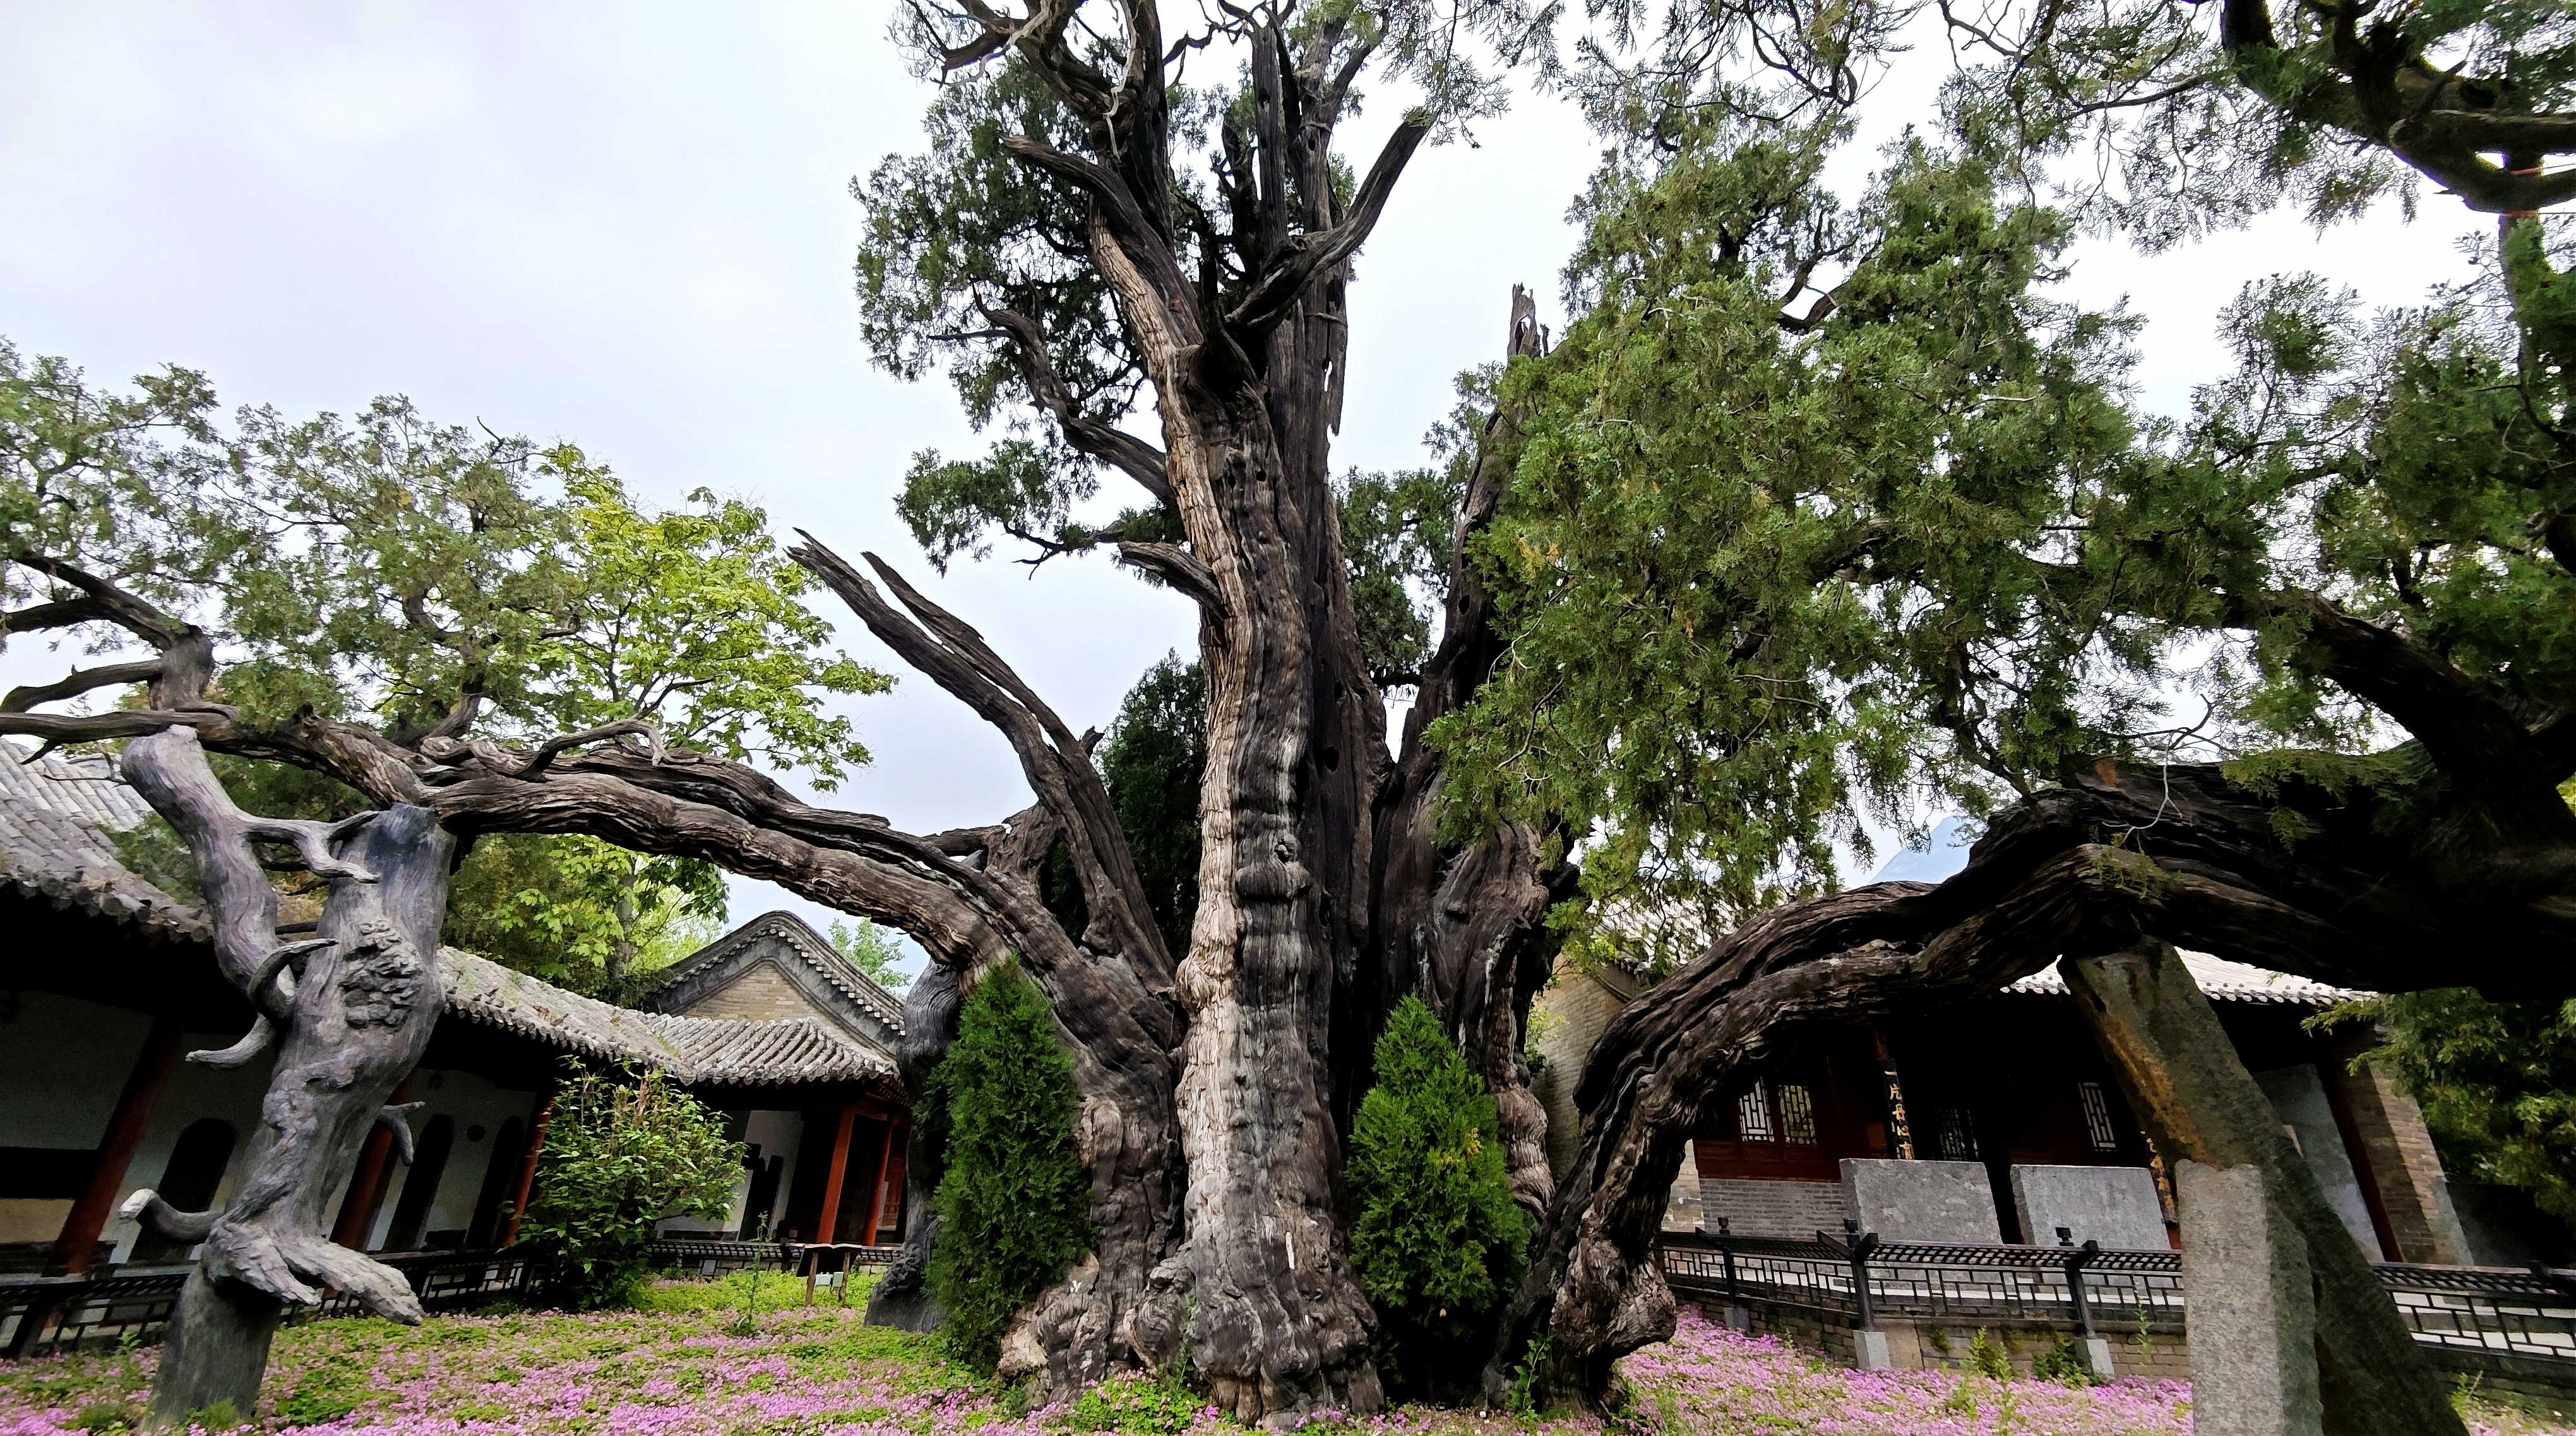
pixel 470 1101
pixel 2299 1096
pixel 775 1134
pixel 62 1062
pixel 193 1092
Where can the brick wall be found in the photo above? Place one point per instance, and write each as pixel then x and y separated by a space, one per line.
pixel 761 992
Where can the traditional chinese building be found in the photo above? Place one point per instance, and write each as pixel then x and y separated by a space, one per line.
pixel 107 981
pixel 2013 1104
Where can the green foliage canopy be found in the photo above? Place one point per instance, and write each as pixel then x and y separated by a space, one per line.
pixel 617 1158
pixel 1772 559
pixel 872 950
pixel 1152 766
pixel 1013 1204
pixel 441 582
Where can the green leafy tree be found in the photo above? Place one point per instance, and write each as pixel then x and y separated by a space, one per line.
pixel 873 950
pixel 619 1157
pixel 581 913
pixel 1013 1204
pixel 1756 565
pixel 1437 1239
pixel 1154 763
pixel 2496 1080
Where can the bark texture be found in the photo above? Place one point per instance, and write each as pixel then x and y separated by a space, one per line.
pixel 1462 925
pixel 348 1014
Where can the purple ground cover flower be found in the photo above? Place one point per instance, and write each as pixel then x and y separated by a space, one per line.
pixel 686 1366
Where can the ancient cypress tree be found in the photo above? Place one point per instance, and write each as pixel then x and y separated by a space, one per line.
pixel 1089 243
pixel 1818 507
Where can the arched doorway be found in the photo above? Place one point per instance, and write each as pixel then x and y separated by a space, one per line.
pixel 500 1176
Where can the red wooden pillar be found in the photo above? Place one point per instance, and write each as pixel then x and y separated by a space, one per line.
pixel 876 1187
pixel 528 1166
pixel 832 1180
pixel 367 1184
pixel 88 1217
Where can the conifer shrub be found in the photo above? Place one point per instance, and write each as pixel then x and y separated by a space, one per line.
pixel 1438 1240
pixel 1014 1207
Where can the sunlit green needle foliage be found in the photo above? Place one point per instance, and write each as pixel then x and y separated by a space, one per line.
pixel 1758 574
pixel 1013 1204
pixel 1770 563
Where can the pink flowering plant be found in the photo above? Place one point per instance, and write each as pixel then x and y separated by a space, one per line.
pixel 701 1359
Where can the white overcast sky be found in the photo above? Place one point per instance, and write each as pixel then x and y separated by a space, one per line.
pixel 629 225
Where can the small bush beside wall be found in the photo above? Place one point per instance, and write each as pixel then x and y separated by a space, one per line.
pixel 617 1159
pixel 1013 1204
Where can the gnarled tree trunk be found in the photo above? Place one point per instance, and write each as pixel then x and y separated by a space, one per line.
pixel 349 1013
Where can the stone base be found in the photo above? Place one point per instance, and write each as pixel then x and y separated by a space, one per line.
pixel 1869 1351
pixel 2097 1358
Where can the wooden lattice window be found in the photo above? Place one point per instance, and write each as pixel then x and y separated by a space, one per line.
pixel 1797 1116
pixel 1753 1115
pixel 2097 1116
pixel 1954 1135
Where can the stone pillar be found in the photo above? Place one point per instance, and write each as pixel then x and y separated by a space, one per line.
pixel 2201 1108
pixel 2252 1309
pixel 78 1239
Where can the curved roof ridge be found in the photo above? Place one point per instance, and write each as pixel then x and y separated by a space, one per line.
pixel 815 949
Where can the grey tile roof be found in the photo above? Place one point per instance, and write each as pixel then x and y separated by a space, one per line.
pixel 2221 981
pixel 56 813
pixel 693 1049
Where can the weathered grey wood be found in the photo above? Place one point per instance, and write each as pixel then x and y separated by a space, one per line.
pixel 1463 925
pixel 349 1013
pixel 2199 1105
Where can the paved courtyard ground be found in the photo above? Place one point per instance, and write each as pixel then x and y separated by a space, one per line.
pixel 689 1365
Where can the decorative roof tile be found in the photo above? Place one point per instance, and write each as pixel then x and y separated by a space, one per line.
pixel 55 816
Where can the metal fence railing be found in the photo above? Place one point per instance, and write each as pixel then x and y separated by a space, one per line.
pixel 50 1314
pixel 1963 1284
pixel 2520 1313
pixel 681 1256
pixel 1853 1279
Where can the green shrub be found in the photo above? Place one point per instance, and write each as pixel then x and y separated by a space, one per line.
pixel 1438 1240
pixel 1986 1357
pixel 1014 1206
pixel 2062 1361
pixel 616 1160
pixel 1136 1406
pixel 109 1416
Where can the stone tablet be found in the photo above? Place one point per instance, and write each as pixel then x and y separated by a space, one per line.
pixel 1922 1201
pixel 2115 1206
